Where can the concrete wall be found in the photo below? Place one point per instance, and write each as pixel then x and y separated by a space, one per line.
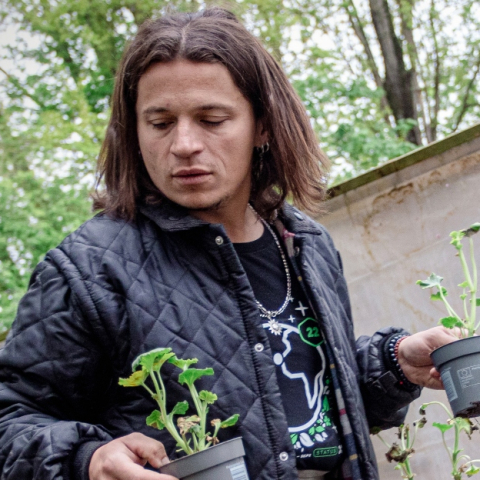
pixel 392 228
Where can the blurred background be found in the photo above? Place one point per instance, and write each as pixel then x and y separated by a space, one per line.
pixel 379 79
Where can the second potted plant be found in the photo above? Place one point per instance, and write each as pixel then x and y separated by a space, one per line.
pixel 459 362
pixel 220 462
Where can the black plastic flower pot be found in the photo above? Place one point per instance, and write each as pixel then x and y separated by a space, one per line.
pixel 221 462
pixel 459 365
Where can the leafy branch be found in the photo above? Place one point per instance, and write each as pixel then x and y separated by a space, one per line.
pixel 469 467
pixel 402 452
pixel 190 433
pixel 468 325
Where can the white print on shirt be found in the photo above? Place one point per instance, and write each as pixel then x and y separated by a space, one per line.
pixel 313 397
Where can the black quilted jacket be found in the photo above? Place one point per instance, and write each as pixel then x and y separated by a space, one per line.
pixel 113 290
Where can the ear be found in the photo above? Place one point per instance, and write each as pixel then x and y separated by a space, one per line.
pixel 261 135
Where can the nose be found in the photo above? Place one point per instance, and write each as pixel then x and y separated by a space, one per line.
pixel 186 139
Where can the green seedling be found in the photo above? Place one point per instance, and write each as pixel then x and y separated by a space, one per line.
pixel 401 452
pixel 467 324
pixel 461 464
pixel 190 432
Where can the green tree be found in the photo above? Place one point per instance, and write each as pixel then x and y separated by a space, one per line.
pixel 378 77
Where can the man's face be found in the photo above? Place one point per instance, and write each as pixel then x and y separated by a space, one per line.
pixel 196 133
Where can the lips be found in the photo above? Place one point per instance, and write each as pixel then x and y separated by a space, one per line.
pixel 191 176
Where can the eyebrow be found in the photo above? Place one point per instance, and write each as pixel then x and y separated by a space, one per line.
pixel 203 108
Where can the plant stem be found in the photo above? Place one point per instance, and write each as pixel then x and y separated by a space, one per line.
pixel 473 299
pixel 456 474
pixel 161 399
pixel 202 413
pixel 466 270
pixel 435 402
pixel 450 310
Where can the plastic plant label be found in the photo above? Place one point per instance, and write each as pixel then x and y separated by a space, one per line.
pixel 449 386
pixel 238 471
pixel 469 376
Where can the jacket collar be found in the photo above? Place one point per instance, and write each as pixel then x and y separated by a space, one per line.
pixel 296 221
pixel 172 217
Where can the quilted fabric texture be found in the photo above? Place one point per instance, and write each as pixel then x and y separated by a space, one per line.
pixel 113 290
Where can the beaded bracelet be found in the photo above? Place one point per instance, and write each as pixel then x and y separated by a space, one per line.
pixel 393 345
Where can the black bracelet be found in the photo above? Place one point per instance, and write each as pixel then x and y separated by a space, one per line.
pixel 393 345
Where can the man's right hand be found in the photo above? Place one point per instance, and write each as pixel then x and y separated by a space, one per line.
pixel 125 457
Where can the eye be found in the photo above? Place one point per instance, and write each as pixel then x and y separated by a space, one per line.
pixel 213 123
pixel 160 125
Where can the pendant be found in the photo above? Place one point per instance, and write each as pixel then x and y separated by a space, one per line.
pixel 274 327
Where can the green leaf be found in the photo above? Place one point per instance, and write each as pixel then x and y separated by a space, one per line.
pixel 478 302
pixel 443 427
pixel 432 281
pixel 472 470
pixel 463 284
pixel 294 438
pixel 207 397
pixel 191 375
pixel 451 322
pixel 153 359
pixel 437 296
pixel 180 408
pixel 230 421
pixel 134 380
pixel 183 364
pixel 155 420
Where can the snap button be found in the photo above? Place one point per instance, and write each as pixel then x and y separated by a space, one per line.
pixel 283 456
pixel 219 240
pixel 298 215
pixel 297 251
pixel 259 347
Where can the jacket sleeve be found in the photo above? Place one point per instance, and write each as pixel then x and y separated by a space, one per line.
pixel 386 400
pixel 51 374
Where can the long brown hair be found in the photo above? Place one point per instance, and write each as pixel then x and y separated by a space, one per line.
pixel 293 168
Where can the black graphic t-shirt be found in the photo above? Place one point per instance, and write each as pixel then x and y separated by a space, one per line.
pixel 299 355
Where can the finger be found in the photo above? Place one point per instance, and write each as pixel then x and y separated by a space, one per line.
pixel 145 449
pixel 429 378
pixel 132 471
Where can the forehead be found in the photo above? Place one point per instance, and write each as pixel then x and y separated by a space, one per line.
pixel 187 82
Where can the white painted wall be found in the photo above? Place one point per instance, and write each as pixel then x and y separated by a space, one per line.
pixel 392 232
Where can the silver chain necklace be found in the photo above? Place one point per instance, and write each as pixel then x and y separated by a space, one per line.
pixel 274 326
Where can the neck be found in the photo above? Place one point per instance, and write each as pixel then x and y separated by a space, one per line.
pixel 241 226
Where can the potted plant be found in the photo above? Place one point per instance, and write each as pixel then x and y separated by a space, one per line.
pixel 459 362
pixel 220 462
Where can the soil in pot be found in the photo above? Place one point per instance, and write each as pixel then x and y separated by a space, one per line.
pixel 459 365
pixel 221 462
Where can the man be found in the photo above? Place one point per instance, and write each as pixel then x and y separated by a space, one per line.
pixel 197 250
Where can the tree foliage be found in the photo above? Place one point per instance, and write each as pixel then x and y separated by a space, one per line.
pixel 378 77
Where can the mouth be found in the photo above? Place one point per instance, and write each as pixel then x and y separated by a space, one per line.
pixel 191 176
